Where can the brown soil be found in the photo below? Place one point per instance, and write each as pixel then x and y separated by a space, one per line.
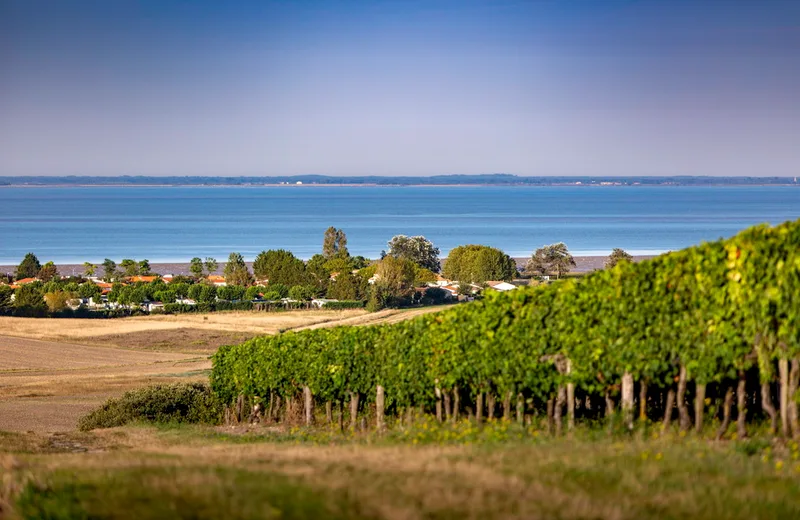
pixel 195 341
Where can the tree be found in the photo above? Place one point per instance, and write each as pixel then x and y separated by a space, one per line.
pixel 254 292
pixel 560 259
pixel 166 296
pixel 347 286
pixel 129 267
pixel 29 267
pixel 196 267
pixel 280 266
pixel 89 269
pixel 423 276
pixel 109 270
pixel 5 299
pixel 89 290
pixel 48 272
pixel 477 264
pixel 334 243
pixel 231 292
pixel 57 300
pixel 29 296
pixel 236 272
pixel 616 256
pixel 396 275
pixel 418 249
pixel 211 265
pixel 144 267
pixel 554 258
pixel 301 293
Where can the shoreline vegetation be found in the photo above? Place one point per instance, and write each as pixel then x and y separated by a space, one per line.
pixel 408 274
pixel 61 181
pixel 584 264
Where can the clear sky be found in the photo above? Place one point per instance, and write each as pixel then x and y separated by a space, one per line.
pixel 561 87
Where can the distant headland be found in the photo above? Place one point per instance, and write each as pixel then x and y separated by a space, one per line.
pixel 499 179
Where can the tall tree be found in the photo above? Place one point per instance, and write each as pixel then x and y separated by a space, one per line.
pixel 48 272
pixel 144 267
pixel 477 264
pixel 109 270
pixel 418 249
pixel 561 260
pixel 211 265
pixel 130 267
pixel 5 298
pixel 347 286
pixel 554 258
pixel 89 269
pixel 396 275
pixel 280 266
pixel 236 272
pixel 334 243
pixel 29 267
pixel 196 267
pixel 616 256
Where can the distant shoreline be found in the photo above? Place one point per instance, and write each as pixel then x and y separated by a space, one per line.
pixel 500 179
pixel 374 185
pixel 585 264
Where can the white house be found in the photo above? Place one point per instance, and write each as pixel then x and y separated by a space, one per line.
pixel 501 286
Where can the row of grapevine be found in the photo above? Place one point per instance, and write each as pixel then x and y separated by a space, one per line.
pixel 712 316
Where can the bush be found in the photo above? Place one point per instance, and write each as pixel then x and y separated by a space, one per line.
pixel 178 308
pixel 234 306
pixel 181 403
pixel 345 304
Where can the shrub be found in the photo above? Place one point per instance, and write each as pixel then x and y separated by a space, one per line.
pixel 182 403
pixel 234 306
pixel 345 304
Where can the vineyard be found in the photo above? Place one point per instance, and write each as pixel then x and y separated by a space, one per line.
pixel 709 331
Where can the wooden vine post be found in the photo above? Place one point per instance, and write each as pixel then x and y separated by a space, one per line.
pixel 308 405
pixel 783 372
pixel 570 399
pixel 380 402
pixel 699 406
pixel 627 400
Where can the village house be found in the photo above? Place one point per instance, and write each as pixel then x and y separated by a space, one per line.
pixel 501 286
pixel 216 280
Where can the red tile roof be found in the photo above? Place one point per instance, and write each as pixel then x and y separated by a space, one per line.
pixel 145 279
pixel 26 280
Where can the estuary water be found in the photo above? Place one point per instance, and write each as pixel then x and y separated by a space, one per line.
pixel 174 224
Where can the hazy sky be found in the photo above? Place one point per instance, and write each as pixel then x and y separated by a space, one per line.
pixel 595 87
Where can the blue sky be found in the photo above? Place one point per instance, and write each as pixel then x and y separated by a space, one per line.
pixel 598 87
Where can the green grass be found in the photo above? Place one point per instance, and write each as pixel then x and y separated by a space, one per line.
pixel 427 471
pixel 185 492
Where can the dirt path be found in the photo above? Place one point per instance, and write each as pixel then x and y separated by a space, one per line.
pixel 47 386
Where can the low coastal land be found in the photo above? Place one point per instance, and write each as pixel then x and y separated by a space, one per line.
pixel 584 264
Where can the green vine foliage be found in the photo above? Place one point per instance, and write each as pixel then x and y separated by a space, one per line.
pixel 709 308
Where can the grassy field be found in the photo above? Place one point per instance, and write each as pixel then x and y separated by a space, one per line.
pixel 139 472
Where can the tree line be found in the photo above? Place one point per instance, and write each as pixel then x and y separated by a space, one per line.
pixel 399 278
pixel 710 329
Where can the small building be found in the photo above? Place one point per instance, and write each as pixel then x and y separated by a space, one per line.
pixel 320 302
pixel 142 279
pixel 501 286
pixel 217 280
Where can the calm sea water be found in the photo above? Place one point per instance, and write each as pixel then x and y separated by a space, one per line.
pixel 174 224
